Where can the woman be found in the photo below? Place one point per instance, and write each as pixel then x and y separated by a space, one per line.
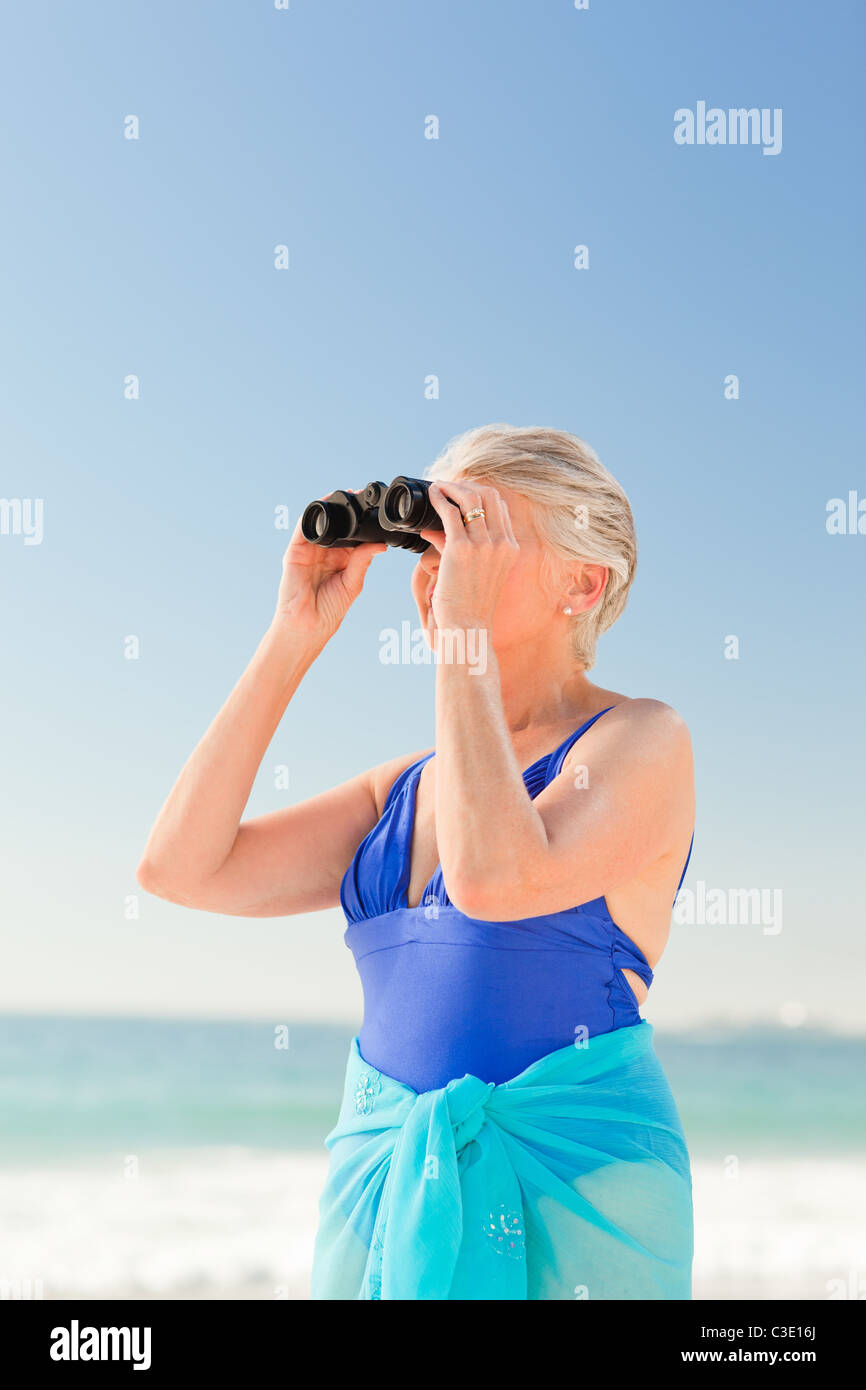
pixel 506 1130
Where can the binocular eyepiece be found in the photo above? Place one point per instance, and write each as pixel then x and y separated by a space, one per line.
pixel 394 514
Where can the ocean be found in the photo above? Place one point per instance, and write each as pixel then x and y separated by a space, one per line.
pixel 168 1158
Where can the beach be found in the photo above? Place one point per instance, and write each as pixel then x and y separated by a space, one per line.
pixel 103 1196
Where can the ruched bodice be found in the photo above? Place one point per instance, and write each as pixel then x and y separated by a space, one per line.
pixel 447 995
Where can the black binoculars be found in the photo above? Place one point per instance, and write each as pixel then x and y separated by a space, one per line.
pixel 394 514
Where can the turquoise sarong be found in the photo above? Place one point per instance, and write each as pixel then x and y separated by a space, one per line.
pixel 571 1181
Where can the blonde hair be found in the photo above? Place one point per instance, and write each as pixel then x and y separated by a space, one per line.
pixel 579 509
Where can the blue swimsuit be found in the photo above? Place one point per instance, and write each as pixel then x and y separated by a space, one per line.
pixel 446 995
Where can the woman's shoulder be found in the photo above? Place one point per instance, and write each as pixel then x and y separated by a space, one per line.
pixel 647 713
pixel 649 726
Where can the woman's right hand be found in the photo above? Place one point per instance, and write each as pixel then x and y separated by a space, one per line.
pixel 320 584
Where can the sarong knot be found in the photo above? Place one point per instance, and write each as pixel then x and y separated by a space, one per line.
pixel 467 1099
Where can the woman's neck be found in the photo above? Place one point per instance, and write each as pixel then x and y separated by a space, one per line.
pixel 543 689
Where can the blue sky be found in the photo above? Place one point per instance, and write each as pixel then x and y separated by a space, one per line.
pixel 261 387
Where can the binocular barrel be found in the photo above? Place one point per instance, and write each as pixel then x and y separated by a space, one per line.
pixel 392 513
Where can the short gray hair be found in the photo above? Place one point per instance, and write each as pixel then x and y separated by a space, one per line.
pixel 580 510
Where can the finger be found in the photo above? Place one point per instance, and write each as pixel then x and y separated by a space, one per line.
pixel 434 538
pixel 459 486
pixel 507 528
pixel 364 551
pixel 498 515
pixel 467 497
pixel 494 512
pixel 506 521
pixel 452 519
pixel 360 560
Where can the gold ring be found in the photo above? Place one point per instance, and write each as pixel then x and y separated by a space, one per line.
pixel 473 515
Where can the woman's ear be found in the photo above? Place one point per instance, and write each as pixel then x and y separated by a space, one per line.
pixel 588 583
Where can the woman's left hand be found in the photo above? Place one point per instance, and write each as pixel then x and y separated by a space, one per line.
pixel 476 555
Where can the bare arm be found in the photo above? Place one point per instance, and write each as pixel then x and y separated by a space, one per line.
pixel 503 855
pixel 199 853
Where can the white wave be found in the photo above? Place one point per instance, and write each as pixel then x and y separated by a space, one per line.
pixel 237 1223
pixel 779 1228
pixel 202 1223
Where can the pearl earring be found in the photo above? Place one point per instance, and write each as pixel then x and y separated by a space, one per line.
pixel 567 610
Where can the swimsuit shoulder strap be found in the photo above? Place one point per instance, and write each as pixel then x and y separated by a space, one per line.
pixel 686 865
pixel 557 758
pixel 402 779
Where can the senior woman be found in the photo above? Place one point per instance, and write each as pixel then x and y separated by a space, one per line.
pixel 506 1129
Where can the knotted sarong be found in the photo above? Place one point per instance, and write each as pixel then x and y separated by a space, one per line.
pixel 570 1181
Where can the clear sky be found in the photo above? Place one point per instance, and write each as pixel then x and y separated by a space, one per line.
pixel 262 387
